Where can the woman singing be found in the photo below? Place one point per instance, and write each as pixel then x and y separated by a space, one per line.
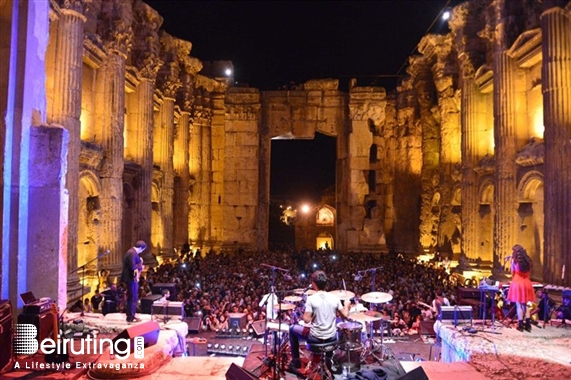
pixel 521 291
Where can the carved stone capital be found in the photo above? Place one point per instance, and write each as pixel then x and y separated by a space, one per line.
pixel 146 45
pixel 168 85
pixel 72 5
pixel 114 27
pixel 191 65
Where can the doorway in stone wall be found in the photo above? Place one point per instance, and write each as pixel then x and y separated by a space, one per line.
pixel 302 174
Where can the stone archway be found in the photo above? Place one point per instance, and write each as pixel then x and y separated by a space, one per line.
pixel 531 220
pixel 485 224
pixel 88 234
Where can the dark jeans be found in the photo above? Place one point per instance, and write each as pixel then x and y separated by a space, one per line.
pixel 295 333
pixel 132 297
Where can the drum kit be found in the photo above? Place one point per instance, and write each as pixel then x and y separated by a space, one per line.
pixel 352 336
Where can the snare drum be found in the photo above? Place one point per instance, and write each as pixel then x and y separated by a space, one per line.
pixel 349 335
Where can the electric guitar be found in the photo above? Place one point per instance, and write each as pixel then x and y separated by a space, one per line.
pixel 137 272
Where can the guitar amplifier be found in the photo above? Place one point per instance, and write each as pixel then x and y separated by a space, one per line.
pixel 38 307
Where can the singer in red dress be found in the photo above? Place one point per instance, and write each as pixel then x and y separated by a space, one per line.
pixel 521 291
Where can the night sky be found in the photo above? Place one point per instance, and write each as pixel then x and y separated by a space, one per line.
pixel 274 43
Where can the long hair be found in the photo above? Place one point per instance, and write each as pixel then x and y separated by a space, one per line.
pixel 521 258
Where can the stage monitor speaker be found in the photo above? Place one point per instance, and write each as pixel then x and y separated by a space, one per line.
pixel 147 303
pixel 259 327
pixel 239 373
pixel 416 374
pixel 5 334
pixel 148 330
pixel 171 286
pixel 427 328
pixel 44 322
pixel 237 320
pixel 193 324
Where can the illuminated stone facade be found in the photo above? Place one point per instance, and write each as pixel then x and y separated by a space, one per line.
pixel 454 160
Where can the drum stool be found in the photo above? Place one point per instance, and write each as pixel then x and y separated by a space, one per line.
pixel 325 350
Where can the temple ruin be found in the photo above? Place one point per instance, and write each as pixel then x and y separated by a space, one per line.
pixel 113 132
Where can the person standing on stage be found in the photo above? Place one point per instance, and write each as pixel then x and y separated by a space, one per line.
pixel 132 267
pixel 521 291
pixel 321 311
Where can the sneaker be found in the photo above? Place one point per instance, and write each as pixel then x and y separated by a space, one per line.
pixel 135 320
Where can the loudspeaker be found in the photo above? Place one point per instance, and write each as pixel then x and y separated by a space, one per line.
pixel 259 327
pixel 168 309
pixel 239 373
pixel 416 374
pixel 427 328
pixel 44 322
pixel 148 330
pixel 147 303
pixel 6 321
pixel 193 324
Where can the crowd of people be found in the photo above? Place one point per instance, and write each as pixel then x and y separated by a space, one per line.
pixel 213 286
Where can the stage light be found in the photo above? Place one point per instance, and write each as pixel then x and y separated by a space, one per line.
pixel 314 266
pixel 184 265
pixel 198 284
pixel 302 275
pixel 228 72
pixel 445 15
pixel 305 209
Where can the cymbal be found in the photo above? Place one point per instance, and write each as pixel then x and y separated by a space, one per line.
pixel 284 306
pixel 301 291
pixel 363 317
pixel 343 294
pixel 376 297
pixel 373 313
pixel 292 298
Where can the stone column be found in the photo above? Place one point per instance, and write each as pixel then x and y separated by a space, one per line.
pixel 146 59
pixel 206 174
pixel 143 154
pixel 165 129
pixel 424 89
pixel 195 164
pixel 470 202
pixel 181 205
pixel 110 106
pixel 184 151
pixel 65 109
pixel 218 146
pixel 505 193
pixel 556 73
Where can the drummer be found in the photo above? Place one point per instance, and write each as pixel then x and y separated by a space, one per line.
pixel 321 310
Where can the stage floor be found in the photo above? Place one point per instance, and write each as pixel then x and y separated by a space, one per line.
pixel 498 353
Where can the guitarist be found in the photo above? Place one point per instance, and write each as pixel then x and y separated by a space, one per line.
pixel 132 268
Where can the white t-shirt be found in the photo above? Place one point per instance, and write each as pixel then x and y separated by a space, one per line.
pixel 324 307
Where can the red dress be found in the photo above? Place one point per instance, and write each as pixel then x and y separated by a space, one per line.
pixel 521 289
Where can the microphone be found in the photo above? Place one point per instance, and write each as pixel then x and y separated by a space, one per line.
pixel 309 287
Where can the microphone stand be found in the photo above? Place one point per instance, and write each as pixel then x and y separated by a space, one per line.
pixel 83 277
pixel 275 362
